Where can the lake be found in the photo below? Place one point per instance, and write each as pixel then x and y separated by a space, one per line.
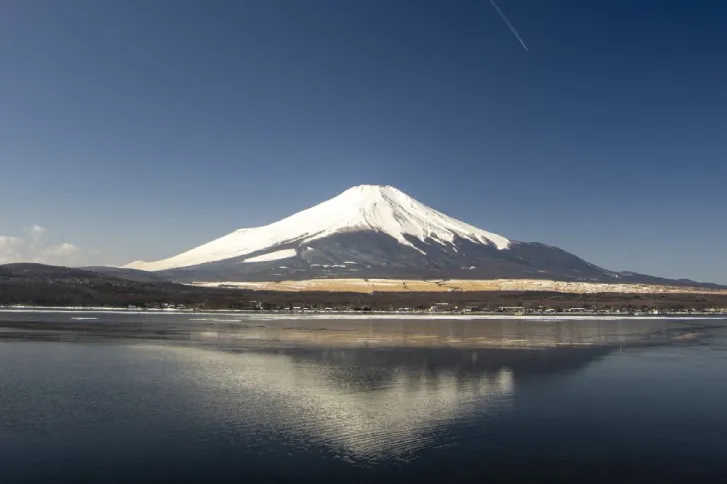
pixel 132 397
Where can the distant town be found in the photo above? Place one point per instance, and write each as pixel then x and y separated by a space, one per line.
pixel 436 308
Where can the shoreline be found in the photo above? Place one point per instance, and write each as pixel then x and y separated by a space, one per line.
pixel 353 315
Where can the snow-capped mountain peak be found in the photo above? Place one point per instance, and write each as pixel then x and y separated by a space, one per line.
pixel 374 208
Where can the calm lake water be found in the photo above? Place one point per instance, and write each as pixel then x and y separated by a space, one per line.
pixel 238 398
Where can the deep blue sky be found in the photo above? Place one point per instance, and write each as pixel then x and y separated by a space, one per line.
pixel 137 129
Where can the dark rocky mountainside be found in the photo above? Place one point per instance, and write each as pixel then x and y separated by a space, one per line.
pixel 365 254
pixel 44 285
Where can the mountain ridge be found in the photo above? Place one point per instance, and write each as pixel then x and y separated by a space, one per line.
pixel 380 208
pixel 378 231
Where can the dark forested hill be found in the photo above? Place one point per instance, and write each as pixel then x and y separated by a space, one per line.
pixel 43 285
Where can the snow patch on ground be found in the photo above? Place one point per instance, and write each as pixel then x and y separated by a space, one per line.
pixel 408 285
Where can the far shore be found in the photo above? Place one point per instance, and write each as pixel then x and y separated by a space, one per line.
pixel 359 314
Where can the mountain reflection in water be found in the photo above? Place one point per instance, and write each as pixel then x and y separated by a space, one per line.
pixel 367 404
pixel 237 330
pixel 137 398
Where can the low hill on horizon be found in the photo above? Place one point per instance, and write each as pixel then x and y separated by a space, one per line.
pixel 52 286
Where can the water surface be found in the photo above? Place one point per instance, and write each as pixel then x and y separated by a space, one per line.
pixel 232 398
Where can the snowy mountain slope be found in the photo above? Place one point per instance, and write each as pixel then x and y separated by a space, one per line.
pixel 368 254
pixel 373 231
pixel 381 209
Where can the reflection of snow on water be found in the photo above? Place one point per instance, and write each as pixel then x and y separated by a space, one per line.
pixel 361 412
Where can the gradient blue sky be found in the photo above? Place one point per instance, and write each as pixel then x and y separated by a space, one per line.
pixel 137 129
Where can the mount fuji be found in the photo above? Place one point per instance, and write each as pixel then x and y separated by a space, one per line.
pixel 372 231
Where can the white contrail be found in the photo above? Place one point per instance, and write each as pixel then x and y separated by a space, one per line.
pixel 512 29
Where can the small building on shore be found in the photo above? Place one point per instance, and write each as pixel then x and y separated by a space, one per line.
pixel 511 309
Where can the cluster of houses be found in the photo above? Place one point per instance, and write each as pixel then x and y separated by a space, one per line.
pixel 438 307
pixel 164 306
pixel 521 310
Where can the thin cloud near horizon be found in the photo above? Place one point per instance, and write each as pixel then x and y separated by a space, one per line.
pixel 33 246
